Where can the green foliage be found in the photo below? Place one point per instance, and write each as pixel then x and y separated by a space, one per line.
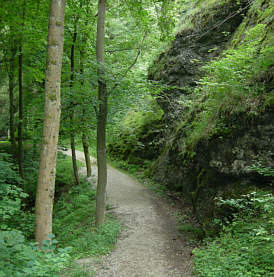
pixel 64 174
pixel 20 258
pixel 230 86
pixel 74 223
pixel 199 13
pixel 11 198
pixel 245 246
pixel 262 170
pixel 131 135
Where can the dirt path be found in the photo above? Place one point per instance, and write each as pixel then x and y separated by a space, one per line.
pixel 151 246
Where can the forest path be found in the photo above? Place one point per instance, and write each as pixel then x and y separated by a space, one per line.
pixel 150 246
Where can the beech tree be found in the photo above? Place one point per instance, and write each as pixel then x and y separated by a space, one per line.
pixel 48 154
pixel 101 116
pixel 71 115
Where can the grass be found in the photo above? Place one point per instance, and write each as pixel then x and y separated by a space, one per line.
pixel 245 246
pixel 74 220
pixel 74 223
pixel 64 172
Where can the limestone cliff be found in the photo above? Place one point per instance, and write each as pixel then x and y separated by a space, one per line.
pixel 217 130
pixel 238 134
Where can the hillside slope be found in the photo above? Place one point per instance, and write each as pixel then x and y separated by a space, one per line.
pixel 216 131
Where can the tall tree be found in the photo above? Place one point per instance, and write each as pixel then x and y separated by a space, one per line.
pixel 48 154
pixel 71 115
pixel 20 87
pixel 20 123
pixel 101 116
pixel 85 142
pixel 11 68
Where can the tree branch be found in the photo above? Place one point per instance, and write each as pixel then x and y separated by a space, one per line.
pixel 123 49
pixel 133 63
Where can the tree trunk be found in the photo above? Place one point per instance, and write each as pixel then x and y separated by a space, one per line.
pixel 86 152
pixel 101 117
pixel 20 108
pixel 84 132
pixel 72 137
pixel 11 96
pixel 73 151
pixel 20 124
pixel 48 154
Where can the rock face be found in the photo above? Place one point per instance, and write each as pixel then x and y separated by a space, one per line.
pixel 226 157
pixel 192 48
pixel 222 160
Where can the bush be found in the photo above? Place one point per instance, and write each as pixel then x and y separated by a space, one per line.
pixel 245 246
pixel 19 258
pixel 136 136
pixel 64 173
pixel 231 86
pixel 11 194
pixel 74 223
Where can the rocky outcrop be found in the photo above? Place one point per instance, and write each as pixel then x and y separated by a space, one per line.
pixel 226 158
pixel 194 46
pixel 238 146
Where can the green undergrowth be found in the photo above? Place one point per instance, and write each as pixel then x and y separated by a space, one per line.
pixel 230 88
pixel 199 13
pixel 135 137
pixel 19 254
pixel 74 223
pixel 245 245
pixel 65 143
pixel 64 171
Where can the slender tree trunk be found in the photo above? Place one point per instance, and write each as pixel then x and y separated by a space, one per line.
pixel 48 154
pixel 20 124
pixel 86 152
pixel 11 96
pixel 101 117
pixel 72 137
pixel 20 107
pixel 73 152
pixel 84 132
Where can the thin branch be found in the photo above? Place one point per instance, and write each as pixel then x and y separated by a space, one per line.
pixel 220 23
pixel 133 63
pixel 123 49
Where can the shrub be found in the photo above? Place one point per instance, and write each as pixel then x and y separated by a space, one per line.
pixel 135 137
pixel 19 258
pixel 245 246
pixel 231 85
pixel 11 194
pixel 74 223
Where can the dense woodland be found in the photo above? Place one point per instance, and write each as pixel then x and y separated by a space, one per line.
pixel 179 93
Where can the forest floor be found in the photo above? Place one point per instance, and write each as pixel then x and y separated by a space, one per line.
pixel 150 244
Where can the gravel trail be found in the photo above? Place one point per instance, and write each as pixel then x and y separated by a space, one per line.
pixel 150 246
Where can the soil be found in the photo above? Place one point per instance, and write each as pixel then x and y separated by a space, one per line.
pixel 150 245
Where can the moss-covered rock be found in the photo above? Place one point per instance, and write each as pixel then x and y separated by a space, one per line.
pixel 224 122
pixel 218 105
pixel 205 34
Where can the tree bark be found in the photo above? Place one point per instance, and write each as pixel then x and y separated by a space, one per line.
pixel 11 101
pixel 72 137
pixel 20 107
pixel 48 154
pixel 20 124
pixel 86 152
pixel 84 131
pixel 101 117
